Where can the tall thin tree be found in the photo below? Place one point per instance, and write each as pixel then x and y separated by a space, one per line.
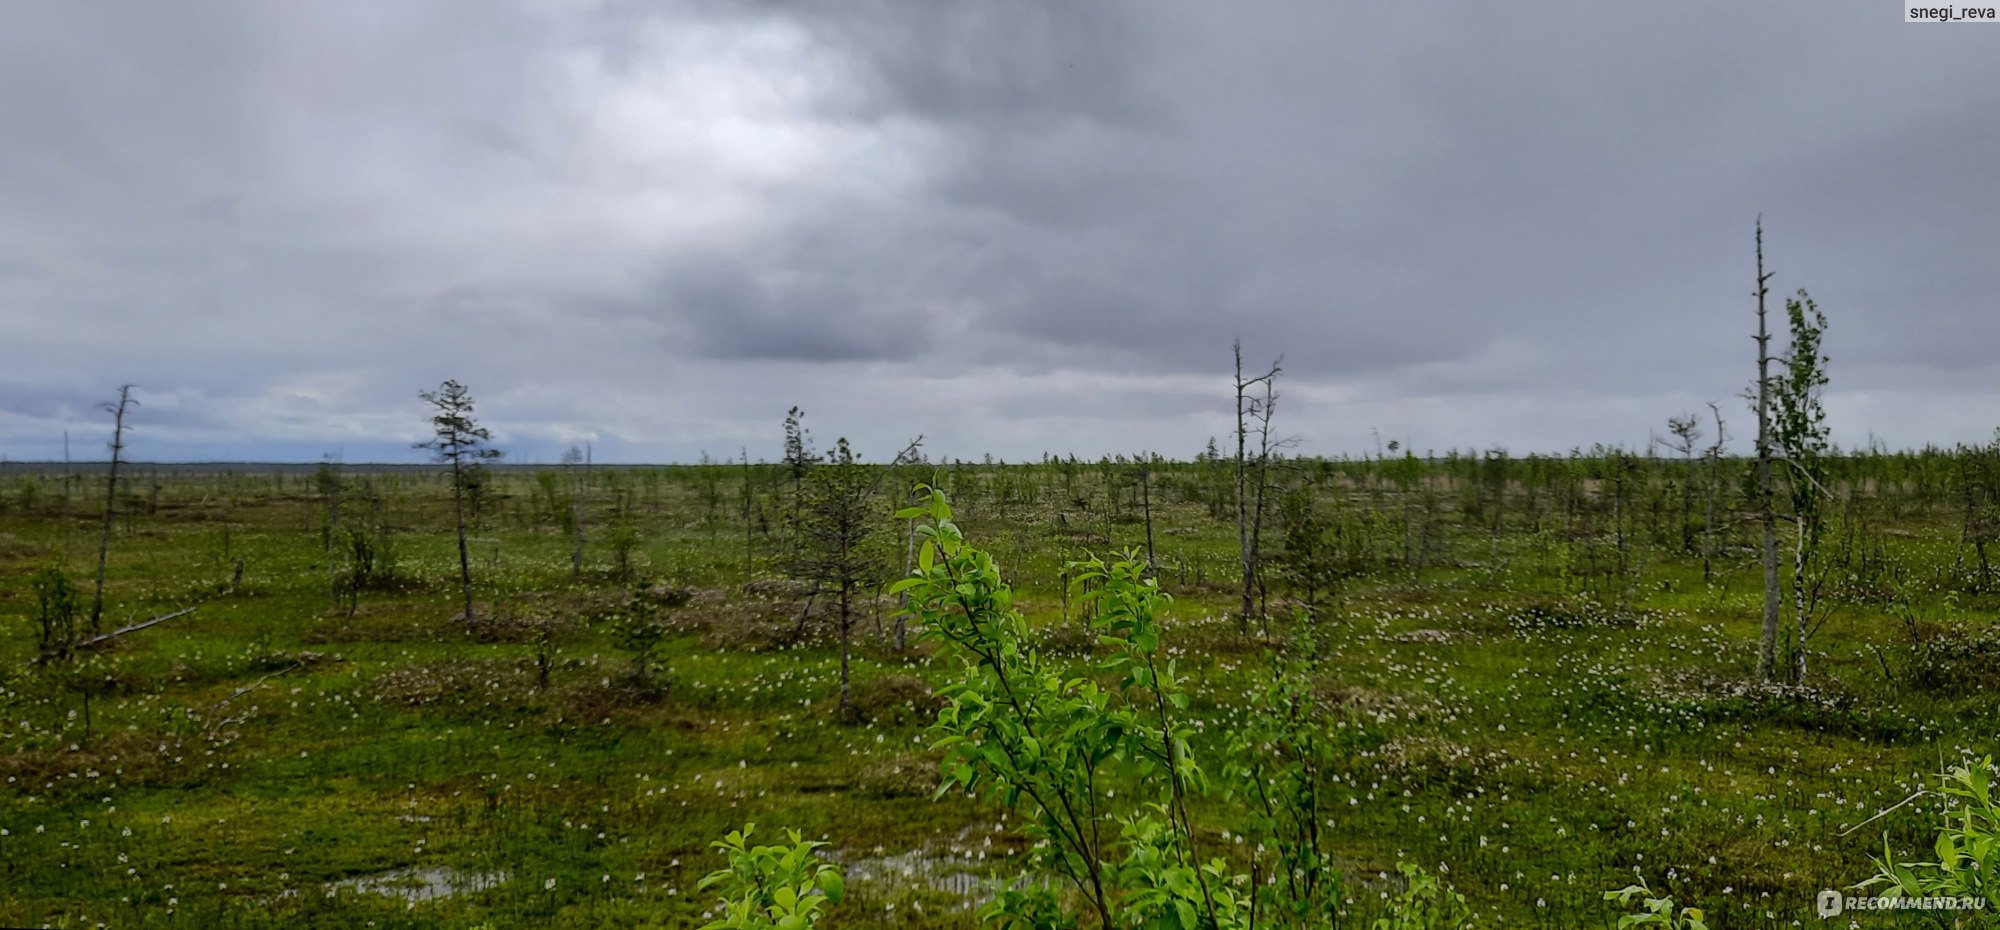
pixel 1146 461
pixel 572 462
pixel 1767 517
pixel 1248 408
pixel 117 410
pixel 799 458
pixel 331 486
pixel 1267 447
pixel 1802 437
pixel 839 512
pixel 749 538
pixel 1714 455
pixel 1686 431
pixel 459 442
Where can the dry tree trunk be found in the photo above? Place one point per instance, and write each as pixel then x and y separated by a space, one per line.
pixel 1767 651
pixel 1246 532
pixel 464 557
pixel 110 500
pixel 1146 501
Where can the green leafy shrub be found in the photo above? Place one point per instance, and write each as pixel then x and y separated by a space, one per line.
pixel 1426 903
pixel 781 887
pixel 1280 763
pixel 1654 910
pixel 55 610
pixel 1015 728
pixel 1967 846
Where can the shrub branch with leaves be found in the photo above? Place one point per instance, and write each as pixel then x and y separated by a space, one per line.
pixel 1017 729
pixel 1279 762
pixel 1967 846
pixel 1425 903
pixel 780 887
pixel 1655 910
pixel 1070 749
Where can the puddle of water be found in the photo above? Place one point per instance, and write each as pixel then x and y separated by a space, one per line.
pixel 422 884
pixel 972 881
pixel 953 875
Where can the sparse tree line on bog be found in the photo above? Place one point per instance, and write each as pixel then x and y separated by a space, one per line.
pixel 1037 736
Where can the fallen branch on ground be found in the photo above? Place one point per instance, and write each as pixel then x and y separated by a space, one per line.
pixel 103 638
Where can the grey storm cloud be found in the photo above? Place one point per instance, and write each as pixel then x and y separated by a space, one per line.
pixel 1014 228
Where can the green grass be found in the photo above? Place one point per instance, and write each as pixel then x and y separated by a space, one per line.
pixel 243 759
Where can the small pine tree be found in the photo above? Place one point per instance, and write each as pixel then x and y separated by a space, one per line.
pixel 459 442
pixel 1309 562
pixel 836 517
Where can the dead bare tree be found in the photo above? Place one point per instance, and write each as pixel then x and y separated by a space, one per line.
pixel 1243 401
pixel 1714 456
pixel 1250 503
pixel 117 411
pixel 1767 515
pixel 1267 450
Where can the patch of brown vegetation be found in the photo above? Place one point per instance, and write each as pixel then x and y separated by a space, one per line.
pixel 106 761
pixel 895 699
pixel 611 692
pixel 460 682
pixel 906 776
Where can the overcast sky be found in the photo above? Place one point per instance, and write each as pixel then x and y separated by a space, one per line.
pixel 1009 226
